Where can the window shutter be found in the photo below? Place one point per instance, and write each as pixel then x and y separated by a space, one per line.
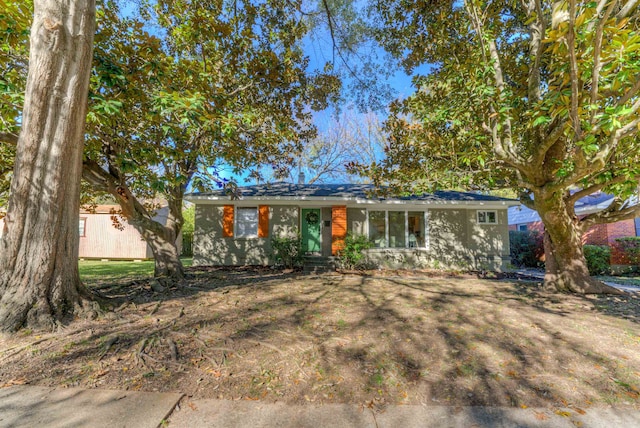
pixel 227 222
pixel 338 228
pixel 263 221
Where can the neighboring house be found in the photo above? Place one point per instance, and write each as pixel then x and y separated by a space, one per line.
pixel 443 229
pixel 522 218
pixel 101 239
pixel 105 235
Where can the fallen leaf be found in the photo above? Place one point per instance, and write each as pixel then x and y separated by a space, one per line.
pixel 563 413
pixel 579 410
pixel 193 406
pixel 18 381
pixel 541 416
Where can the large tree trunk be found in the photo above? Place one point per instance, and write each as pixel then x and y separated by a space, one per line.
pixel 565 264
pixel 39 281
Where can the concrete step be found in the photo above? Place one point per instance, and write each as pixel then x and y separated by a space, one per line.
pixel 317 264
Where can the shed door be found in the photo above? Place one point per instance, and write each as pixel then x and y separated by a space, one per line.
pixel 311 230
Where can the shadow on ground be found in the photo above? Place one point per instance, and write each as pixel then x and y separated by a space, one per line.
pixel 371 340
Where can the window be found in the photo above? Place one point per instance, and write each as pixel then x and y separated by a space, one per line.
pixel 522 227
pixel 398 229
pixel 82 227
pixel 417 231
pixel 487 217
pixel 377 228
pixel 247 222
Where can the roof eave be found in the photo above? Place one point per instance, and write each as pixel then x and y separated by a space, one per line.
pixel 211 199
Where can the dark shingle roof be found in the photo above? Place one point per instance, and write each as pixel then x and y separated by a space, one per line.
pixel 349 191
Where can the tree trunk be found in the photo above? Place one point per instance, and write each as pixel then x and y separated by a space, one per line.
pixel 39 280
pixel 165 254
pixel 565 264
pixel 161 239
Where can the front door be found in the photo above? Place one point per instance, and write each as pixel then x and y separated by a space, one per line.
pixel 311 230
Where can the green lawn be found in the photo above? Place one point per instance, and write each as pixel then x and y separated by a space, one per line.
pixel 96 271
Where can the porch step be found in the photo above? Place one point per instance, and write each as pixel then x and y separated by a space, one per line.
pixel 319 264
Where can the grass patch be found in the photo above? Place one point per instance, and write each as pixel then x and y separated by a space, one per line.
pixel 96 271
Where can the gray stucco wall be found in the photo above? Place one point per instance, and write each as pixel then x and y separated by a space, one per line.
pixel 456 240
pixel 211 248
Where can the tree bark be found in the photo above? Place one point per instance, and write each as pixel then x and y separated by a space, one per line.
pixel 565 264
pixel 165 252
pixel 39 280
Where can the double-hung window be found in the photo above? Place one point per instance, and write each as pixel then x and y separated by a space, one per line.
pixel 247 222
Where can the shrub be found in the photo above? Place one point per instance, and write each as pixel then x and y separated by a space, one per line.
pixel 527 248
pixel 630 249
pixel 352 255
pixel 287 250
pixel 598 257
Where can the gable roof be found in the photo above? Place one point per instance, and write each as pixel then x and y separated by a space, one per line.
pixel 585 205
pixel 357 193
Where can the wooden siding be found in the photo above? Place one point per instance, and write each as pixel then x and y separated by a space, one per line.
pixel 103 241
pixel 338 228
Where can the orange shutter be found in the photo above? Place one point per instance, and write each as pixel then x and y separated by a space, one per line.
pixel 338 228
pixel 263 221
pixel 227 221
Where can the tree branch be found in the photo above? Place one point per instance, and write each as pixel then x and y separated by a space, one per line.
pixel 630 93
pixel 611 214
pixel 525 199
pixel 9 138
pixel 597 53
pixel 573 66
pixel 552 137
pixel 626 9
pixel 571 200
pixel 537 30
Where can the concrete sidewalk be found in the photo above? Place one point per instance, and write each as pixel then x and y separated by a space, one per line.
pixel 35 406
pixel 32 406
pixel 539 274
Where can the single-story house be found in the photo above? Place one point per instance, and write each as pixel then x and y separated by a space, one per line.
pixel 444 229
pixel 522 218
pixel 103 235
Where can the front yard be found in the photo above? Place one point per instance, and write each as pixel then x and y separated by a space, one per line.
pixel 259 334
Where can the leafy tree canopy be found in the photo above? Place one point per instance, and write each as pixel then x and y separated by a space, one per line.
pixel 534 95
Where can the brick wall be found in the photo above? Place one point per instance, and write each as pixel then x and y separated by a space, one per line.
pixel 619 229
pixel 596 235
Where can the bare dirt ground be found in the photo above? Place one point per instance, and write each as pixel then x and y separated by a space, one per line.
pixel 371 339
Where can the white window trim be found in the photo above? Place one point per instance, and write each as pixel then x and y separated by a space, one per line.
pixel 235 223
pixel 83 220
pixel 495 213
pixel 406 228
